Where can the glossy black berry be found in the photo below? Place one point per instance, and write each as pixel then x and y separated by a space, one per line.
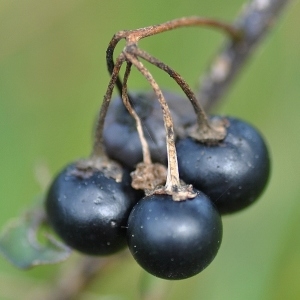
pixel 174 239
pixel 232 173
pixel 89 211
pixel 120 136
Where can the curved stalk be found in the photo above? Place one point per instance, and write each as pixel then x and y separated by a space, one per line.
pixel 173 186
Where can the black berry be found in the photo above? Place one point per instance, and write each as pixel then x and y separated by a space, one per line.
pixel 174 239
pixel 121 139
pixel 232 173
pixel 89 211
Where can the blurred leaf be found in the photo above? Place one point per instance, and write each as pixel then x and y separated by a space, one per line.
pixel 19 241
pixel 153 288
pixel 285 284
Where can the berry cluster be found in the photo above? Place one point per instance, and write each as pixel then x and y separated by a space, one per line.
pixel 128 192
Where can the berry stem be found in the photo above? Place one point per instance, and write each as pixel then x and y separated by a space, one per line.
pixel 139 128
pixel 206 131
pixel 98 158
pixel 137 34
pixel 98 150
pixel 147 176
pixel 173 186
pixel 173 174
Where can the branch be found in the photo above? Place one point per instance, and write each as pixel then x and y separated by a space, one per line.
pixel 76 279
pixel 256 19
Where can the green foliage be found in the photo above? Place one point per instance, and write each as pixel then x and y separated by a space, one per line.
pixel 19 242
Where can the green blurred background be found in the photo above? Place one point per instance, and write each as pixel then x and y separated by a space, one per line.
pixel 52 80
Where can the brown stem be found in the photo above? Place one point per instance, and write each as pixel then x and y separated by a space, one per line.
pixel 137 34
pixel 147 176
pixel 206 131
pixel 98 150
pixel 173 175
pixel 173 186
pixel 145 147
